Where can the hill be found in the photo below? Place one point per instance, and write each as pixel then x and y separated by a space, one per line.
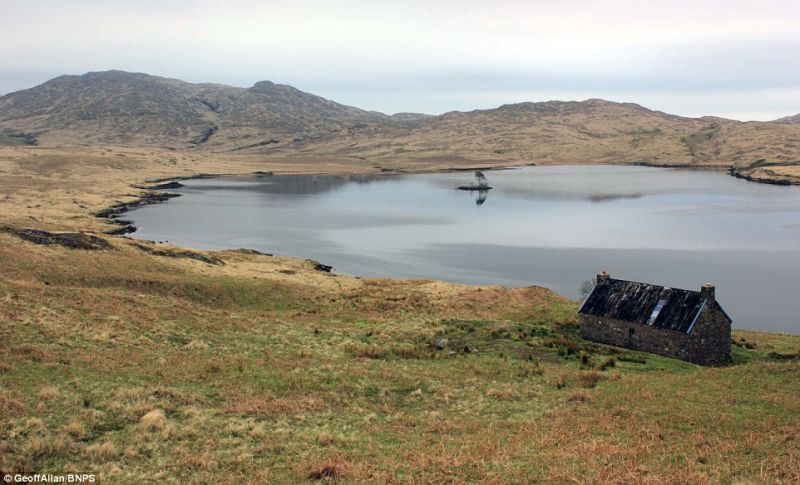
pixel 267 119
pixel 592 131
pixel 116 107
pixel 789 119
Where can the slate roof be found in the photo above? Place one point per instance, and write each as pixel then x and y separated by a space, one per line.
pixel 635 302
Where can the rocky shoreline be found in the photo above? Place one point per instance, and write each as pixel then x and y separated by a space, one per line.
pixel 114 212
pixel 772 181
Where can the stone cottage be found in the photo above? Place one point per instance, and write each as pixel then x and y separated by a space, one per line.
pixel 684 324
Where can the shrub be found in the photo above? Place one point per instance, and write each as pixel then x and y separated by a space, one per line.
pixel 586 287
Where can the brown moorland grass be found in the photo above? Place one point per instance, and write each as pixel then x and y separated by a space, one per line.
pixel 260 369
pixel 178 368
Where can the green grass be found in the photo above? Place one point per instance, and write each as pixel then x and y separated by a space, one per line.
pixel 265 381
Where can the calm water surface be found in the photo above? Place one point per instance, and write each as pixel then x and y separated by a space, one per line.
pixel 548 226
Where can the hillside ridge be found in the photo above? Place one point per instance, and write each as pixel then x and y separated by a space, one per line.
pixel 137 109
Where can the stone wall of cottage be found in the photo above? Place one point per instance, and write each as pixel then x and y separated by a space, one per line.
pixel 711 338
pixel 709 343
pixel 670 343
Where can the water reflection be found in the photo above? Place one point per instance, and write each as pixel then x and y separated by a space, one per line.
pixel 286 184
pixel 550 226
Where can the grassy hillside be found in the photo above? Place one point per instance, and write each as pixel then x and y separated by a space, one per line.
pixel 260 369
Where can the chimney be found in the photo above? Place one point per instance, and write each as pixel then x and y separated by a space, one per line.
pixel 707 291
pixel 602 277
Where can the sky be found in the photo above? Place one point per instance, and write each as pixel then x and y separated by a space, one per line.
pixel 735 59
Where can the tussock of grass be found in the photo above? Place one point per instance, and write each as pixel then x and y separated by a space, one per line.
pixel 565 346
pixel 502 393
pixel 559 382
pixel 10 407
pixel 196 462
pixel 636 359
pixel 580 397
pixel 607 364
pixel 382 352
pixel 589 379
pixel 153 420
pixel 102 451
pixel 329 469
pixel 38 447
pixel 75 429
pixel 48 392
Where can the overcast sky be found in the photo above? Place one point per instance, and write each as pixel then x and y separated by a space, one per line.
pixel 737 59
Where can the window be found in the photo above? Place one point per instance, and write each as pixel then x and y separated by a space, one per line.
pixel 631 331
pixel 656 311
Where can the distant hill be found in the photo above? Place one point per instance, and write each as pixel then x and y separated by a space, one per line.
pixel 131 108
pixel 116 107
pixel 789 119
pixel 591 131
pixel 411 116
